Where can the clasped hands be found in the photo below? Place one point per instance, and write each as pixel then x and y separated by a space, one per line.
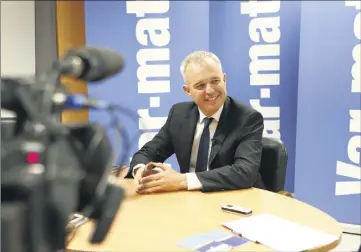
pixel 163 179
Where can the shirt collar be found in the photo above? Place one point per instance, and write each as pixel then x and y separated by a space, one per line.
pixel 215 116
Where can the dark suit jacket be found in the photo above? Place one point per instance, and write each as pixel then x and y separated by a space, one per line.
pixel 236 146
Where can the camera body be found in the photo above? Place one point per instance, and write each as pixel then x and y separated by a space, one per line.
pixel 46 177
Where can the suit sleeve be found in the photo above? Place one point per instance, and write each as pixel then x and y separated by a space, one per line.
pixel 244 171
pixel 156 150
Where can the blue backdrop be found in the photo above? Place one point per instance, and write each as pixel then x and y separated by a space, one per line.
pixel 153 38
pixel 303 93
pixel 164 32
pixel 258 43
pixel 328 169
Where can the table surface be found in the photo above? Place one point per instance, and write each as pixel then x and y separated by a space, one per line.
pixel 157 222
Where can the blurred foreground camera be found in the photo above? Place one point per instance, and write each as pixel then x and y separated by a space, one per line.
pixel 50 170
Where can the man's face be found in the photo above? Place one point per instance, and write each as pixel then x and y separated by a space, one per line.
pixel 206 85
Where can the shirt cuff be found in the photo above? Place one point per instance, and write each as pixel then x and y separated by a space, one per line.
pixel 137 167
pixel 193 182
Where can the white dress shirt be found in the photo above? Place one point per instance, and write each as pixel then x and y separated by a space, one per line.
pixel 193 182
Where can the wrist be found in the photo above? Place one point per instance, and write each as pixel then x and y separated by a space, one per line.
pixel 137 168
pixel 183 183
pixel 135 171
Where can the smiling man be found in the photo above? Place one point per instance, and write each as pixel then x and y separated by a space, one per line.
pixel 217 140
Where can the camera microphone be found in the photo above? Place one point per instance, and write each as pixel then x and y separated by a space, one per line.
pixel 91 63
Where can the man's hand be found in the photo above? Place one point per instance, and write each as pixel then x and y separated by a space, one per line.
pixel 144 172
pixel 165 181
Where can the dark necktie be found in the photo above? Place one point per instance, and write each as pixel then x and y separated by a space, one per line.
pixel 202 158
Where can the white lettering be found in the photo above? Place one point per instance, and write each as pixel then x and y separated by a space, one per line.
pixel 355 121
pixel 253 8
pixel 357 26
pixel 348 170
pixel 267 112
pixel 268 27
pixel 356 69
pixel 152 25
pixel 355 141
pixel 264 66
pixel 154 70
pixel 348 187
pixel 147 122
pixel 353 3
pixel 272 129
pixel 140 8
pixel 356 54
pixel 145 138
pixel 257 65
pixel 354 144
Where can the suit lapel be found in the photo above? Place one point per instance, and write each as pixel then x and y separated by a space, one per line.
pixel 187 133
pixel 221 132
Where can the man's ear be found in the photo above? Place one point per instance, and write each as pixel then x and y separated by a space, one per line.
pixel 187 90
pixel 224 78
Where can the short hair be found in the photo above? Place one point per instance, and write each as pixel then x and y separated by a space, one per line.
pixel 197 57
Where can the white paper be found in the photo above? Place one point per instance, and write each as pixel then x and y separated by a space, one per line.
pixel 279 234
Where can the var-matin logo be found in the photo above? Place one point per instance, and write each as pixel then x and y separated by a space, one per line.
pixel 153 34
pixel 352 169
pixel 264 31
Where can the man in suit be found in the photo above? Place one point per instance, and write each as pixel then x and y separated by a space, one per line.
pixel 217 140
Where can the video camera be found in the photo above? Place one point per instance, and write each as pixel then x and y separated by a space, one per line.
pixel 51 170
